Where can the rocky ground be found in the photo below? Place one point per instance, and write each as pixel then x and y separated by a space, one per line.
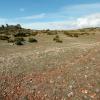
pixel 51 71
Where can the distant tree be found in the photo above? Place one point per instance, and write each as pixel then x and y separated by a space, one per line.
pixel 3 26
pixel 7 25
pixel 18 26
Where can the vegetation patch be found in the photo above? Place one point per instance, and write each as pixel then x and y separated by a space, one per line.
pixel 19 38
pixel 57 39
pixel 4 37
pixel 18 42
pixel 51 32
pixel 31 40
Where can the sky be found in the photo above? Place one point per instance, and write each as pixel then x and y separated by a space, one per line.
pixel 51 14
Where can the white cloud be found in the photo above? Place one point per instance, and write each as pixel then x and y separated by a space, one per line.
pixel 22 9
pixel 3 20
pixel 81 8
pixel 70 17
pixel 39 16
pixel 82 22
pixel 47 25
pixel 89 21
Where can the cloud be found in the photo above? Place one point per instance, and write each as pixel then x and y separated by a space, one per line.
pixel 92 20
pixel 81 22
pixel 89 21
pixel 47 25
pixel 81 9
pixel 69 17
pixel 21 9
pixel 39 16
pixel 3 20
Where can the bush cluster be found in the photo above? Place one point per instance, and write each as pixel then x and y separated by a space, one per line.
pixel 57 39
pixel 18 42
pixel 75 34
pixel 31 40
pixel 20 34
pixel 4 37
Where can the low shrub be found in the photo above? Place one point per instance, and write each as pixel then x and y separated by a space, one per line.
pixel 57 39
pixel 20 34
pixel 31 40
pixel 68 33
pixel 34 33
pixel 4 37
pixel 19 38
pixel 18 42
pixel 11 40
pixel 51 32
pixel 75 35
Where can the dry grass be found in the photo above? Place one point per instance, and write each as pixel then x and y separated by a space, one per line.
pixel 51 71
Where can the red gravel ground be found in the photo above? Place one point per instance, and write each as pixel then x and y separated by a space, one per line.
pixel 77 80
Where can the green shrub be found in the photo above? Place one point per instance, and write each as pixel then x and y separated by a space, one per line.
pixel 34 33
pixel 20 34
pixel 75 35
pixel 4 37
pixel 18 42
pixel 11 40
pixel 51 32
pixel 19 38
pixel 31 40
pixel 57 39
pixel 68 33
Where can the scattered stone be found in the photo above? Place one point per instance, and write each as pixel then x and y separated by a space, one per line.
pixel 71 94
pixel 85 97
pixel 59 77
pixel 86 76
pixel 51 81
pixel 71 87
pixel 84 91
pixel 38 92
pixel 93 59
pixel 63 99
pixel 92 95
pixel 97 90
pixel 45 95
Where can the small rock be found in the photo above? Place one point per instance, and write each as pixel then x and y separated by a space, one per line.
pixel 93 59
pixel 86 76
pixel 63 99
pixel 51 81
pixel 84 91
pixel 71 87
pixel 70 94
pixel 93 95
pixel 97 90
pixel 85 97
pixel 59 77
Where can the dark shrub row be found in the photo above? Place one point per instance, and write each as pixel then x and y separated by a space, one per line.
pixel 75 34
pixel 31 40
pixel 4 37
